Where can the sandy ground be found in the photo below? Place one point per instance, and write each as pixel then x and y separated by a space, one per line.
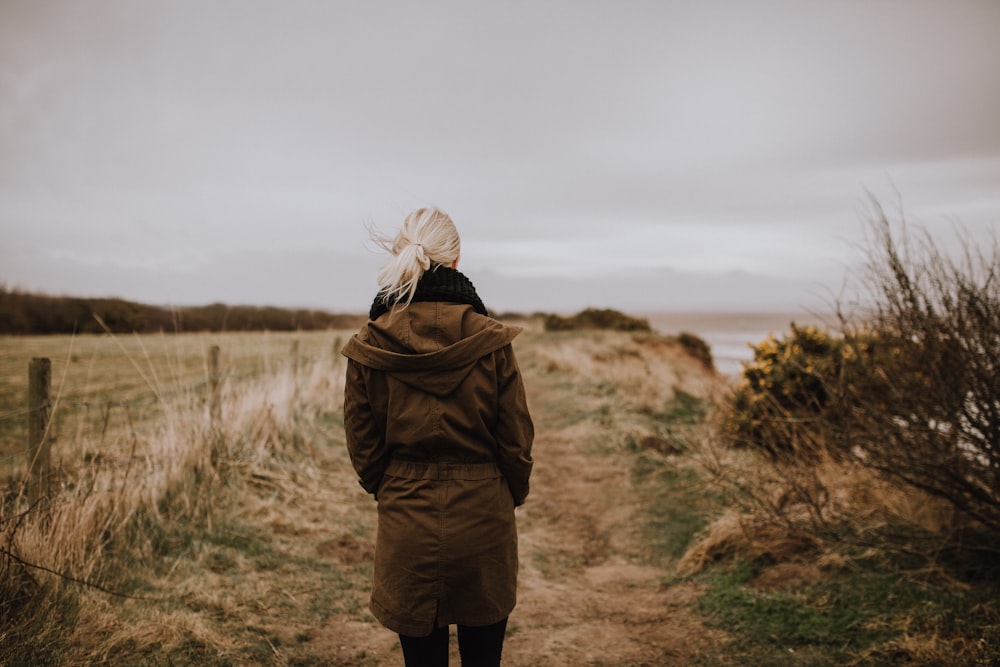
pixel 585 597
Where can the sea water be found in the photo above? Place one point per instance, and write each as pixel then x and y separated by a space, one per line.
pixel 732 335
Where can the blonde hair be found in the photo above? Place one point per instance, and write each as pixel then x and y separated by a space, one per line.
pixel 427 239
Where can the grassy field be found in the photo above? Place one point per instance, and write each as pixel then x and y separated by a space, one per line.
pixel 105 387
pixel 249 542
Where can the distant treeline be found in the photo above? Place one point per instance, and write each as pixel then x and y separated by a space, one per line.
pixel 23 313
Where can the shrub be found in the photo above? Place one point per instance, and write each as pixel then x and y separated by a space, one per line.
pixel 921 398
pixel 783 393
pixel 910 389
pixel 697 348
pixel 596 318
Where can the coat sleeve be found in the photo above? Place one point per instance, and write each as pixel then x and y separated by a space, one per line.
pixel 365 437
pixel 515 430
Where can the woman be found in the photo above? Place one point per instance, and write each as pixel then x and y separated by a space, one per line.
pixel 438 431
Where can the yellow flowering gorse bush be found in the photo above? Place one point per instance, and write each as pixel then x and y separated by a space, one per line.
pixel 783 390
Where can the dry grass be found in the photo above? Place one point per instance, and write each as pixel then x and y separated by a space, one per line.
pixel 250 543
pixel 107 387
pixel 644 369
pixel 825 545
pixel 794 512
pixel 133 499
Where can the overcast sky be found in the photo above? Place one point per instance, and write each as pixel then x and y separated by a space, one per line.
pixel 646 155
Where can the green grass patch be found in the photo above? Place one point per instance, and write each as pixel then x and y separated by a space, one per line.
pixel 677 507
pixel 684 408
pixel 843 616
pixel 830 615
pixel 677 504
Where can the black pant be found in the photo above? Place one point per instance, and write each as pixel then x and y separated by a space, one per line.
pixel 478 646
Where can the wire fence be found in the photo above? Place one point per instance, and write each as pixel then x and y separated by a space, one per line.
pixel 14 414
pixel 101 427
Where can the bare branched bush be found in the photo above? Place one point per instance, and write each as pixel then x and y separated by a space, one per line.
pixel 887 432
pixel 921 396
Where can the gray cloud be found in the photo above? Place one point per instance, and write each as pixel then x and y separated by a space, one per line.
pixel 162 151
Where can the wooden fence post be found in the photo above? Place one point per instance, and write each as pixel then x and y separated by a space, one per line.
pixel 39 438
pixel 215 384
pixel 295 372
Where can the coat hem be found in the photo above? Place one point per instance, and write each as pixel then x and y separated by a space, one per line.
pixel 393 621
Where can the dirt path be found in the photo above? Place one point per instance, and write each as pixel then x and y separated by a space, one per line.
pixel 586 596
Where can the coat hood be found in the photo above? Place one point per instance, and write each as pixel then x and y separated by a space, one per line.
pixel 431 346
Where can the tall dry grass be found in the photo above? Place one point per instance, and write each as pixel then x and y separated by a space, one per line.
pixel 66 559
pixel 807 511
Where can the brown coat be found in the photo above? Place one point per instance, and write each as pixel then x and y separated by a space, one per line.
pixel 438 430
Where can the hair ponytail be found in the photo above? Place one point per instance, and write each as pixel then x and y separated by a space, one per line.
pixel 427 239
